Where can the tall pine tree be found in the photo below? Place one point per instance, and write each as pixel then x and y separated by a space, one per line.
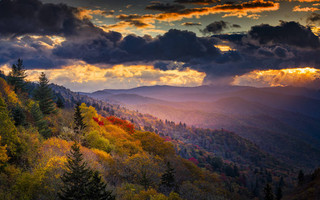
pixel 97 189
pixel 168 179
pixel 17 77
pixel 79 182
pixel 79 125
pixel 300 177
pixel 268 194
pixel 279 193
pixel 76 179
pixel 60 103
pixel 44 95
pixel 40 122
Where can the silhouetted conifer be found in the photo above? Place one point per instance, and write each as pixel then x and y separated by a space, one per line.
pixel 168 182
pixel 40 122
pixel 78 120
pixel 60 103
pixel 300 177
pixel 77 179
pixel 17 77
pixel 97 189
pixel 79 182
pixel 268 194
pixel 44 95
pixel 18 115
pixel 279 193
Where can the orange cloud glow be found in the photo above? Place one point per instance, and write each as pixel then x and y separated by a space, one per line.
pixel 85 77
pixel 305 9
pixel 84 13
pixel 224 48
pixel 245 9
pixel 300 77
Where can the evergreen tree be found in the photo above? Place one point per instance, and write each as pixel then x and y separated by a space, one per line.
pixel 78 120
pixel 279 193
pixel 268 194
pixel 44 95
pixel 60 103
pixel 79 182
pixel 17 77
pixel 236 171
pixel 281 182
pixel 256 190
pixel 18 115
pixel 76 179
pixel 97 189
pixel 40 122
pixel 168 179
pixel 300 177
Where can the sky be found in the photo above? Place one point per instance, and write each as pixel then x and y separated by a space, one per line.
pixel 89 45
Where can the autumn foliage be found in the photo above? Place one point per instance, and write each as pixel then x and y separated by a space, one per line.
pixel 122 124
pixel 132 162
pixel 100 123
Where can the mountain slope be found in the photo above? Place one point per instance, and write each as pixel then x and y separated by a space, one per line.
pixel 276 119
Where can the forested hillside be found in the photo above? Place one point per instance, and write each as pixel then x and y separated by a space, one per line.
pixel 220 150
pixel 40 159
pixel 129 154
pixel 275 119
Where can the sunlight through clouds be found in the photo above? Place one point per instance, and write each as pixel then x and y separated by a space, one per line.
pixel 300 77
pixel 87 77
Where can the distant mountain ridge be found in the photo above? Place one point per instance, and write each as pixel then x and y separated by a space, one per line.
pixel 276 119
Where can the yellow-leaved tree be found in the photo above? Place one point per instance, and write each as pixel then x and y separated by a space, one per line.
pixel 8 131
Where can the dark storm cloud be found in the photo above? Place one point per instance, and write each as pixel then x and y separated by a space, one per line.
pixel 19 17
pixel 288 33
pixel 215 27
pixel 264 47
pixel 201 2
pixel 33 51
pixel 174 45
pixel 165 7
pixel 235 26
pixel 288 45
pixel 313 18
pixel 32 17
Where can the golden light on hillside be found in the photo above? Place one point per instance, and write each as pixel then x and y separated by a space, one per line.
pixel 82 76
pixel 300 77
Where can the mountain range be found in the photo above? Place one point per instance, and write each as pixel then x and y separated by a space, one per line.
pixel 278 120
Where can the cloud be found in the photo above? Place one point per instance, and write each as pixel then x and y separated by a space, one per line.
pixel 64 36
pixel 235 26
pixel 35 51
pixel 87 78
pixel 313 18
pixel 176 45
pixel 215 27
pixel 200 2
pixel 165 7
pixel 191 24
pixel 245 9
pixel 304 9
pixel 19 17
pixel 299 77
pixel 84 13
pixel 289 33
